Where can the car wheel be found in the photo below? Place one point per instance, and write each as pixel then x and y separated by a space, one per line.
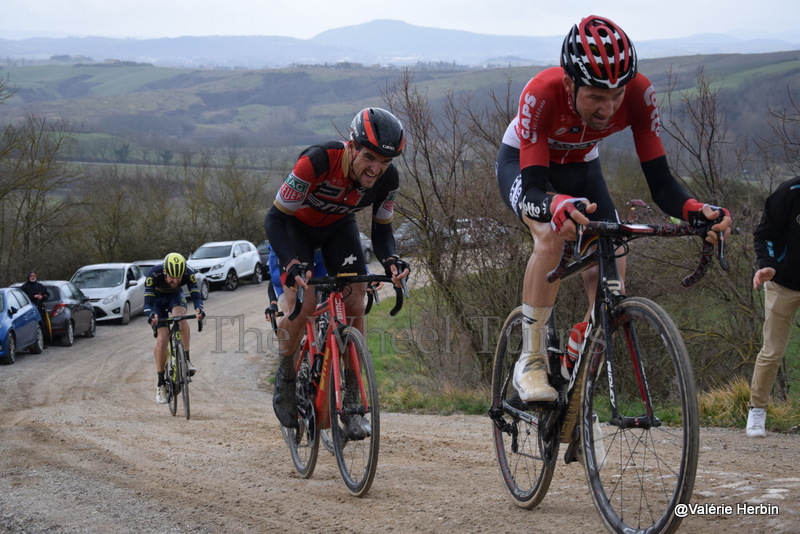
pixel 92 328
pixel 231 281
pixel 38 346
pixel 204 289
pixel 69 336
pixel 126 314
pixel 258 274
pixel 11 350
pixel 367 256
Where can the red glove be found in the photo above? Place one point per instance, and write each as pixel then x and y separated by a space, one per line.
pixel 692 212
pixel 564 206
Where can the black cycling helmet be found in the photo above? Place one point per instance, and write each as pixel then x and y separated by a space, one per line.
pixel 174 265
pixel 379 131
pixel 597 52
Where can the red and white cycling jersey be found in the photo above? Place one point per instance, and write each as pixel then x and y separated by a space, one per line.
pixel 547 127
pixel 318 192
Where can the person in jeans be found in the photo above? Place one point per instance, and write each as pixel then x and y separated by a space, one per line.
pixel 776 239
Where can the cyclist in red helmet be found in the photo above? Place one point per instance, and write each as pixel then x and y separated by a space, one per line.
pixel 315 209
pixel 548 166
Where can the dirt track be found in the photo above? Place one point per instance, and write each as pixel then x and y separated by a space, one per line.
pixel 85 448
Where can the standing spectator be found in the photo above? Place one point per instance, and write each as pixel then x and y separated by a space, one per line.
pixel 777 244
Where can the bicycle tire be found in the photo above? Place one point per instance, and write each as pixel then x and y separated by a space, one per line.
pixel 303 441
pixel 171 379
pixel 183 377
pixel 639 469
pixel 356 456
pixel 526 457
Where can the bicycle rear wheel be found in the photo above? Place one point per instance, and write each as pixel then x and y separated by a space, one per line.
pixel 525 436
pixel 183 377
pixel 356 428
pixel 303 441
pixel 641 459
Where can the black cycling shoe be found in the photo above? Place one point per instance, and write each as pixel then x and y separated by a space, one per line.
pixel 357 427
pixel 283 400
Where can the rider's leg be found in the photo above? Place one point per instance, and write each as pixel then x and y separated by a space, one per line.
pixel 185 337
pixel 538 297
pixel 160 356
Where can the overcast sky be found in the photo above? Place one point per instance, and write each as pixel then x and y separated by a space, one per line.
pixel 642 20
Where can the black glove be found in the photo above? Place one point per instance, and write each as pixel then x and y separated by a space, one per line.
pixel 150 318
pixel 288 276
pixel 395 260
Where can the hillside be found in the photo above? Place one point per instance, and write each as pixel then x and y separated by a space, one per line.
pixel 295 106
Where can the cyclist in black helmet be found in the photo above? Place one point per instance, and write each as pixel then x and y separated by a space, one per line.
pixel 315 208
pixel 548 165
pixel 164 294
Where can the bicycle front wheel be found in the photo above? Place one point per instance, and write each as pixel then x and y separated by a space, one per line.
pixel 183 377
pixel 171 379
pixel 355 428
pixel 640 421
pixel 525 436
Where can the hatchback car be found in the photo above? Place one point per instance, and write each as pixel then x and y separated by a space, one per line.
pixel 366 247
pixel 116 290
pixel 200 278
pixel 225 262
pixel 20 325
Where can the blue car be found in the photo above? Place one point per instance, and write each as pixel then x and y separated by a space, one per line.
pixel 20 325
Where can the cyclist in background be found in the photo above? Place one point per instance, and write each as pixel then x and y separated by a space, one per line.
pixel 548 164
pixel 315 208
pixel 164 295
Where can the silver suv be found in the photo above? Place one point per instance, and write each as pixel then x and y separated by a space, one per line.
pixel 225 262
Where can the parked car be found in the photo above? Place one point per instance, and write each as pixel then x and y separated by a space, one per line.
pixel 263 251
pixel 116 290
pixel 406 238
pixel 366 247
pixel 71 314
pixel 225 262
pixel 20 325
pixel 200 278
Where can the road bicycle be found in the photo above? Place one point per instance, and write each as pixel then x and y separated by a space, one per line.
pixel 176 367
pixel 336 388
pixel 628 411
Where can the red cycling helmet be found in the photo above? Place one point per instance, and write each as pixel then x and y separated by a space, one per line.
pixel 378 130
pixel 597 52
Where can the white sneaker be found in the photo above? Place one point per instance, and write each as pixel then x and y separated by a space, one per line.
pixel 756 421
pixel 161 395
pixel 530 379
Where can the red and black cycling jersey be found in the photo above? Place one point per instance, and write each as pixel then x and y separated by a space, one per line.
pixel 548 129
pixel 318 191
pixel 155 285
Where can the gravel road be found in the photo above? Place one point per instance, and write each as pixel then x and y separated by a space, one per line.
pixel 85 448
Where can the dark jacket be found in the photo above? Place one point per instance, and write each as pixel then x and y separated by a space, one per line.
pixel 776 238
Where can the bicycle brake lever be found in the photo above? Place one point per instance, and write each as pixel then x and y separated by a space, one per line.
pixel 723 259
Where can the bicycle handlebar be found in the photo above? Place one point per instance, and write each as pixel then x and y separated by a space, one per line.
pixel 177 318
pixel 340 281
pixel 627 232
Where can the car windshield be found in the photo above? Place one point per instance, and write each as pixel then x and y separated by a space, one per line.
pixel 98 278
pixel 217 251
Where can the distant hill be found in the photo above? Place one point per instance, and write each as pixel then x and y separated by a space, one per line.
pixel 290 107
pixel 380 42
